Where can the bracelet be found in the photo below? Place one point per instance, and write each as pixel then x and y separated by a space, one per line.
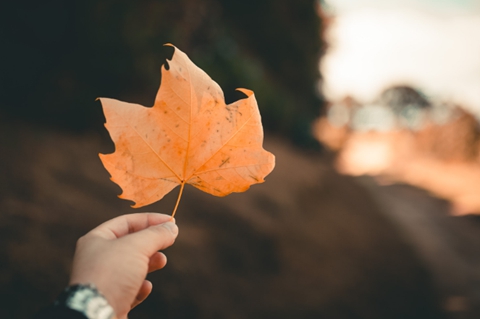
pixel 86 299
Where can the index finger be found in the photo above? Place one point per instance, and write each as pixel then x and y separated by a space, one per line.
pixel 127 224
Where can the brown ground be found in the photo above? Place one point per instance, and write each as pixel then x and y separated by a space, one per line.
pixel 307 243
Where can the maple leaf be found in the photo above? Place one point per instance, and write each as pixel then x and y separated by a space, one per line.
pixel 189 136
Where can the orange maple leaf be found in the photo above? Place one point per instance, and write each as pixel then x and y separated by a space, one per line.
pixel 189 136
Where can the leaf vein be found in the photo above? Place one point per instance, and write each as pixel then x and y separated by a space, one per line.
pixel 223 145
pixel 158 155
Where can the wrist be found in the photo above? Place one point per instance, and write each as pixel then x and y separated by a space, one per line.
pixel 87 300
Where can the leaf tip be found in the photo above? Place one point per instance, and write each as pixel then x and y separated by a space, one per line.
pixel 247 92
pixel 136 204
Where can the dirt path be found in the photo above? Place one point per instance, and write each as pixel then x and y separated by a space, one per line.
pixel 449 246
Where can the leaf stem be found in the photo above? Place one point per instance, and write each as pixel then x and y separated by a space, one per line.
pixel 178 199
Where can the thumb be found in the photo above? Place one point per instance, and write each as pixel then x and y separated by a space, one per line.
pixel 153 238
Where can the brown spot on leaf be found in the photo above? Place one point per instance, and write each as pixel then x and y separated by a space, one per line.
pixel 225 161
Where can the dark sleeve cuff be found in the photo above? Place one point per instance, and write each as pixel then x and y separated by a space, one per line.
pixel 55 312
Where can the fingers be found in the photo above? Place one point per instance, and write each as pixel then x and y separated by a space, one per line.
pixel 154 238
pixel 157 261
pixel 143 293
pixel 126 224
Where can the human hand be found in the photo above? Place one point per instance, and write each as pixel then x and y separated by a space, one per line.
pixel 117 255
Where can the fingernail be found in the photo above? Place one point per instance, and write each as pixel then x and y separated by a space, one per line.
pixel 171 226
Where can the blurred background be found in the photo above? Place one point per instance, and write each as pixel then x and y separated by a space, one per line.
pixel 371 108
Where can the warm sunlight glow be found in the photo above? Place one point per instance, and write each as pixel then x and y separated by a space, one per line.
pixel 403 82
pixel 371 48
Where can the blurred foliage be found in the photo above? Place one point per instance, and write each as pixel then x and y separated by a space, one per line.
pixel 58 56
